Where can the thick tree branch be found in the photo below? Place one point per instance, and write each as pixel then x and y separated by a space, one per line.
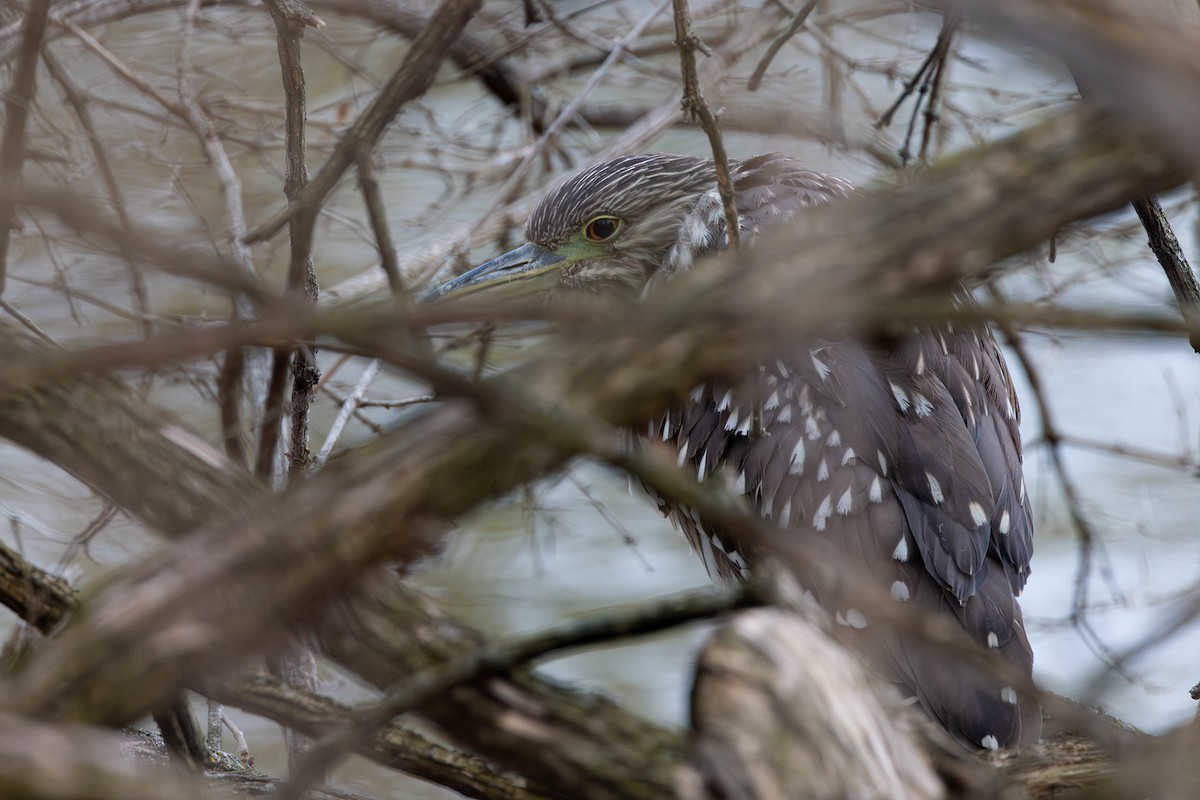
pixel 393 745
pixel 1171 258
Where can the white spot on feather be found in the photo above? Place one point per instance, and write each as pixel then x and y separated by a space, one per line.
pixel 697 394
pixel 922 405
pixel 700 470
pixel 706 553
pixel 796 465
pixel 901 551
pixel 900 591
pixel 993 641
pixel 978 515
pixel 726 399
pixel 848 456
pixel 855 618
pixel 785 414
pixel 811 429
pixel 875 494
pixel 834 440
pixel 823 470
pixel 882 463
pixel 844 503
pixel 990 742
pixel 732 422
pixel 683 454
pixel 823 512
pixel 921 362
pixel 900 395
pixel 785 515
pixel 935 488
pixel 805 399
pixel 1005 522
pixel 821 367
pixel 772 401
pixel 1009 695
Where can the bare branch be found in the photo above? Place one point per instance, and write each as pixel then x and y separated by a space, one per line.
pixel 1170 256
pixel 413 77
pixel 17 104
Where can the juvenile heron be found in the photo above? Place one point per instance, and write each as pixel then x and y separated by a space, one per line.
pixel 906 457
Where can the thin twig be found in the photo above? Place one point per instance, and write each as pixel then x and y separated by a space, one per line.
pixel 696 108
pixel 1154 458
pixel 28 323
pixel 18 100
pixel 379 226
pixel 927 82
pixel 119 67
pixel 291 18
pixel 234 368
pixel 272 418
pixel 229 401
pixel 796 23
pixel 79 105
pixel 934 83
pixel 240 738
pixel 413 77
pixel 344 413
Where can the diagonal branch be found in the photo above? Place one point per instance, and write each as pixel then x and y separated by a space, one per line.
pixel 18 102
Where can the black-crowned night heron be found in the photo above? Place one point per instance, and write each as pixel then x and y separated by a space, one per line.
pixel 906 457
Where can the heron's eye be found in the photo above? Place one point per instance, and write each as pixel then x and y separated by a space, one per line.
pixel 601 229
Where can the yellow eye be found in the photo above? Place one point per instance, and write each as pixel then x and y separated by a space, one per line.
pixel 601 229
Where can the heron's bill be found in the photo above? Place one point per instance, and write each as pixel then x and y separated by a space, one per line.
pixel 527 270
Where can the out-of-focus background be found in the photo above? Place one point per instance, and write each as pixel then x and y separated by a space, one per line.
pixel 1126 405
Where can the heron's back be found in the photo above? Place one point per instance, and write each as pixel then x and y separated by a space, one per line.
pixel 906 459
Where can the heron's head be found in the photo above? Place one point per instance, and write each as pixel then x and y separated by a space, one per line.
pixel 613 224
